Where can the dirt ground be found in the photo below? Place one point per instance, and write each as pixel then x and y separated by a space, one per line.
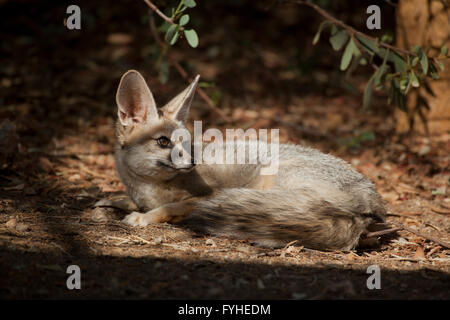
pixel 57 87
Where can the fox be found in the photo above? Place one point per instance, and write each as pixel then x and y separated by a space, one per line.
pixel 314 199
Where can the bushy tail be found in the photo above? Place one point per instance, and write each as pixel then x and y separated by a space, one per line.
pixel 318 219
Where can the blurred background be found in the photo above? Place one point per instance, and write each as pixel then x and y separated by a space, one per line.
pixel 255 57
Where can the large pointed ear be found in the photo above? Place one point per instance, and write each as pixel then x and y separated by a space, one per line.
pixel 178 107
pixel 134 100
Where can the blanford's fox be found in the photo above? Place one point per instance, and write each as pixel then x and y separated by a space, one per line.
pixel 314 198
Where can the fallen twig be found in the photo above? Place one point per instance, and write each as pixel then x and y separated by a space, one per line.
pixel 399 258
pixel 381 232
pixel 142 239
pixel 420 234
pixel 440 211
pixel 323 253
pixel 430 253
pixel 289 244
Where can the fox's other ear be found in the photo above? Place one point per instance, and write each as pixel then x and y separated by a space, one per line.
pixel 178 107
pixel 134 99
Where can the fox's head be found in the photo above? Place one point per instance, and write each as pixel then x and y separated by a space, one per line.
pixel 146 144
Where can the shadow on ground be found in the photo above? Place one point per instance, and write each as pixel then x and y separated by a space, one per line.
pixel 39 275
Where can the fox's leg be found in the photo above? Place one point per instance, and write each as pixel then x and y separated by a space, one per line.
pixel 125 204
pixel 170 212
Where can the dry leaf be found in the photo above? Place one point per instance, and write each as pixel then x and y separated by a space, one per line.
pixel 419 253
pixel 11 223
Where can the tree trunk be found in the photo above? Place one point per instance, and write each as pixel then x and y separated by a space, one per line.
pixel 425 23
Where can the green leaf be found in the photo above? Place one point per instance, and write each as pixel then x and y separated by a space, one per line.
pixel 369 45
pixel 189 3
pixel 403 83
pixel 317 36
pixel 399 62
pixel 175 38
pixel 373 48
pixel 356 51
pixel 423 59
pixel 414 80
pixel 215 97
pixel 382 69
pixel 418 50
pixel 191 37
pixel 398 97
pixel 379 77
pixel 350 50
pixel 346 57
pixel 184 19
pixel 387 38
pixel 334 29
pixel 204 84
pixel 408 86
pixel 368 92
pixel 170 33
pixel 339 39
pixel 424 63
pixel 444 50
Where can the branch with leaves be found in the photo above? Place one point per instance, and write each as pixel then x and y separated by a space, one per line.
pixel 177 23
pixel 400 69
pixel 397 70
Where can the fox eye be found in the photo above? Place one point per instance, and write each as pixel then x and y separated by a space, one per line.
pixel 163 141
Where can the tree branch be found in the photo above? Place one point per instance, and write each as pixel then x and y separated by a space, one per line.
pixel 162 15
pixel 382 232
pixel 349 29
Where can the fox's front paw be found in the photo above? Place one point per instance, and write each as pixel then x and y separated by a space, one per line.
pixel 136 219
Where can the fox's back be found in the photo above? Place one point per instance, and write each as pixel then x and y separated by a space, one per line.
pixel 296 165
pixel 302 164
